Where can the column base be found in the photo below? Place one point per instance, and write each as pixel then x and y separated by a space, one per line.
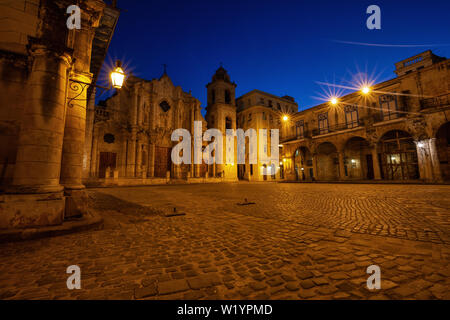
pixel 76 203
pixel 31 210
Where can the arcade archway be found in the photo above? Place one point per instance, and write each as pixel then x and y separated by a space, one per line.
pixel 303 164
pixel 358 159
pixel 327 162
pixel 398 156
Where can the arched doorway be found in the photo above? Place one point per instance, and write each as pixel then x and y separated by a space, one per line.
pixel 327 162
pixel 303 164
pixel 398 156
pixel 358 161
pixel 443 150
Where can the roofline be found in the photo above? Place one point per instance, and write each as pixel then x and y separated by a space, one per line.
pixel 376 86
pixel 266 93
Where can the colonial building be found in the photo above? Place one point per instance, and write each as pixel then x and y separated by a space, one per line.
pixel 259 110
pixel 43 106
pixel 395 130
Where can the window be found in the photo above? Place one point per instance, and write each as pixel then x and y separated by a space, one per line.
pixel 351 116
pixel 404 100
pixel 389 108
pixel 249 117
pixel 165 106
pixel 109 138
pixel 278 106
pixel 270 103
pixel 227 97
pixel 228 123
pixel 323 123
pixel 261 101
pixel 264 116
pixel 300 129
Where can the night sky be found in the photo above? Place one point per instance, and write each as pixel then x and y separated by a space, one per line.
pixel 281 47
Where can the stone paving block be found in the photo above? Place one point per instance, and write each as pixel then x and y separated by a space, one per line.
pixel 307 284
pixel 338 276
pixel 172 286
pixel 292 286
pixel 320 281
pixel 148 291
pixel 274 282
pixel 258 286
pixel 305 275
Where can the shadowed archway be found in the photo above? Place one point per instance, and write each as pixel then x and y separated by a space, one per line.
pixel 443 150
pixel 358 159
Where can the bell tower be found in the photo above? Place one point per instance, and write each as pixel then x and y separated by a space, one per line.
pixel 221 115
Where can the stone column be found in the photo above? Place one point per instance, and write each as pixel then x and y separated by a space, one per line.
pixel 139 158
pixel 39 150
pixel 376 164
pixel 123 168
pixel 151 161
pixel 341 166
pixel 74 134
pixel 93 164
pixel 436 165
pixel 131 155
pixel 90 117
pixel 35 197
pixel 424 160
pixel 315 171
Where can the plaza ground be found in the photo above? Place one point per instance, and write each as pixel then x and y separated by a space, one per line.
pixel 297 241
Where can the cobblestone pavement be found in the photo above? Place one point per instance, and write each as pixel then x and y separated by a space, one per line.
pixel 298 241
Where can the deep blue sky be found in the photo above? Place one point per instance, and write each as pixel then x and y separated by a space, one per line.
pixel 282 47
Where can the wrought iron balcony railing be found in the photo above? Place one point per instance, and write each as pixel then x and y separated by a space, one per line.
pixel 336 128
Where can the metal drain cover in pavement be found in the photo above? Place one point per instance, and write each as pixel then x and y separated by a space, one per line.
pixel 245 203
pixel 174 213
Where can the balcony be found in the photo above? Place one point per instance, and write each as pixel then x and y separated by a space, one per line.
pixel 101 115
pixel 336 128
pixel 435 102
pixel 292 137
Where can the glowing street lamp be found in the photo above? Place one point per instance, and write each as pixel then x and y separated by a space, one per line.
pixel 117 76
pixel 285 118
pixel 334 101
pixel 366 90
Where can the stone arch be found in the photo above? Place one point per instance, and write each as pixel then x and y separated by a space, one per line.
pixel 358 159
pixel 303 164
pixel 398 156
pixel 443 149
pixel 327 160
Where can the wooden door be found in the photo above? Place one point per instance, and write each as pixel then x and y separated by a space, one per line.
pixel 163 161
pixel 107 159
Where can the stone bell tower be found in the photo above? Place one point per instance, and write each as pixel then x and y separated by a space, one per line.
pixel 221 115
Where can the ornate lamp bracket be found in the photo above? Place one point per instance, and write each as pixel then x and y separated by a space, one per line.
pixel 79 87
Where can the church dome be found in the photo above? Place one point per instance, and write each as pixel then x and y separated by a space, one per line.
pixel 221 74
